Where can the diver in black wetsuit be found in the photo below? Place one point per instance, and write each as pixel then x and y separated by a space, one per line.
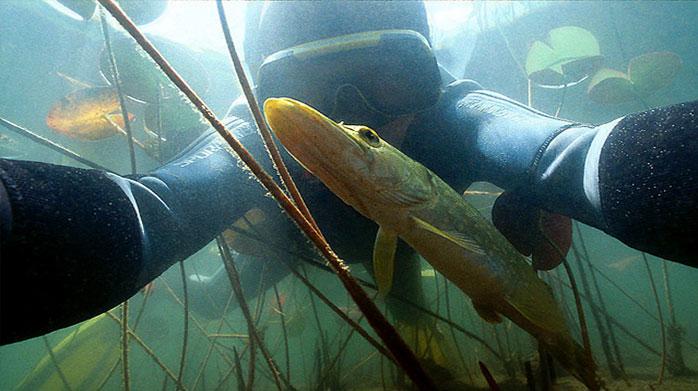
pixel 86 240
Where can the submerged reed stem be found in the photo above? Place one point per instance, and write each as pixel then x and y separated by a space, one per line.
pixel 602 303
pixel 251 363
pixel 51 144
pixel 453 332
pixel 185 337
pixel 600 324
pixel 341 314
pixel 52 356
pixel 148 351
pixel 313 307
pixel 124 346
pixel 132 154
pixel 211 345
pixel 577 299
pixel 660 377
pixel 269 143
pixel 619 325
pixel 238 371
pixel 282 316
pixel 252 329
pixel 580 311
pixel 117 85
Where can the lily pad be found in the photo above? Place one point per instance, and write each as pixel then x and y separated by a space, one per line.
pixel 646 74
pixel 569 55
pixel 143 11
pixel 141 77
pixel 87 114
pixel 84 8
pixel 653 71
pixel 609 86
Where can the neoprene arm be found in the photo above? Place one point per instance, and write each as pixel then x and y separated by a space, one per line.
pixel 77 242
pixel 634 177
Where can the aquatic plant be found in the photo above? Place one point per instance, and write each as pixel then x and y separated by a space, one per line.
pixel 569 55
pixel 251 328
pixel 230 360
pixel 614 363
pixel 646 74
pixel 114 72
pixel 33 136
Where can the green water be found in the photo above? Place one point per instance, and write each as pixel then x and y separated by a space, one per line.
pixel 42 50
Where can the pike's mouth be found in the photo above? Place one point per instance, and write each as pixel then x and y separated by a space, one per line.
pixel 327 149
pixel 303 129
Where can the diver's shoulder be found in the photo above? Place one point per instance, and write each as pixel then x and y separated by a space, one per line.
pixel 460 88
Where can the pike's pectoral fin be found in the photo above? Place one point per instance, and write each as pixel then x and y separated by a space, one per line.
pixel 384 259
pixel 402 198
pixel 458 238
pixel 486 312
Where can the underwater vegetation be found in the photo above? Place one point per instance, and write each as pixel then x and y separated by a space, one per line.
pixel 646 74
pixel 568 55
pixel 572 54
pixel 306 331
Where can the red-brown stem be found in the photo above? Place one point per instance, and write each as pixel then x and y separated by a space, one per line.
pixel 185 337
pixel 276 159
pixel 282 316
pixel 402 353
pixel 660 377
pixel 149 351
pixel 488 376
pixel 251 329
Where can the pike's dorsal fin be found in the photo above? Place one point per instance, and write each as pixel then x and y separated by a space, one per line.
pixel 487 312
pixel 384 259
pixel 453 236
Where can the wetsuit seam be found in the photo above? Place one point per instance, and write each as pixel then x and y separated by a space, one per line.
pixel 533 167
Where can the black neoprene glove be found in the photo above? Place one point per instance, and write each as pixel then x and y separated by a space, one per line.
pixel 633 177
pixel 75 242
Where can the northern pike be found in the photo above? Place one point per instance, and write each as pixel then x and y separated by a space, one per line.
pixel 409 201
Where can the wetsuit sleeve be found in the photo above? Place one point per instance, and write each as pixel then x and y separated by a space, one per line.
pixel 77 242
pixel 634 178
pixel 648 181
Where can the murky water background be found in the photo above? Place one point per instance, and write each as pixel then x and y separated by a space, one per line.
pixel 45 55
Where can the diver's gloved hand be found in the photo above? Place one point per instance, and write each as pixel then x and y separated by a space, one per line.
pixel 537 159
pixel 206 189
pixel 75 242
pixel 632 177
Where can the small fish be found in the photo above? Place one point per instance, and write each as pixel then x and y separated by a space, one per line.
pixel 409 201
pixel 88 114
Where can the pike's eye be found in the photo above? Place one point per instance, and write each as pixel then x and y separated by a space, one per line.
pixel 370 137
